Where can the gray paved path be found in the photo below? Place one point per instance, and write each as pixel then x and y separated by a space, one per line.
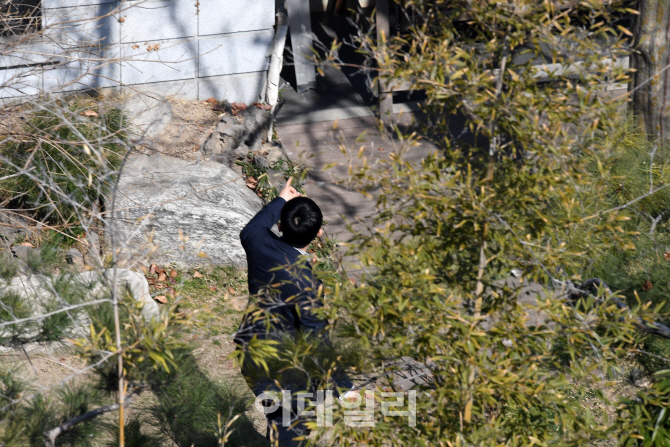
pixel 316 145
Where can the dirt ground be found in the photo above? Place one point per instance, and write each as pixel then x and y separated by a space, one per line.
pixel 192 122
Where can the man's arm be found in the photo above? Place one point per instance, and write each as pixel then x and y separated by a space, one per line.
pixel 264 219
pixel 269 215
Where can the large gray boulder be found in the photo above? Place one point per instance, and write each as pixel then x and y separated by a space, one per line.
pixel 181 212
pixel 27 297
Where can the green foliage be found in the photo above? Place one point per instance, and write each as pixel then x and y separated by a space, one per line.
pixel 63 162
pixel 516 185
pixel 133 435
pixel 264 189
pixel 631 167
pixel 40 292
pixel 24 424
pixel 190 417
pixel 648 415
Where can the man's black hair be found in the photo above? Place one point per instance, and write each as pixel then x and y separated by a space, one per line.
pixel 301 220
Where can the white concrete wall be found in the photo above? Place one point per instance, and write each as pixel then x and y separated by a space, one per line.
pixel 194 50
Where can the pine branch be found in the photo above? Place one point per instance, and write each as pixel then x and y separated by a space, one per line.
pixel 51 435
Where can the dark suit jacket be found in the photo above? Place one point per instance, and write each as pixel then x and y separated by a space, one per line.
pixel 283 283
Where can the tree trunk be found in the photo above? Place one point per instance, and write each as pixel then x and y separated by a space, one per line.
pixel 651 58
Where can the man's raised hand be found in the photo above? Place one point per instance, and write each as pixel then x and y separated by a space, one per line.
pixel 288 192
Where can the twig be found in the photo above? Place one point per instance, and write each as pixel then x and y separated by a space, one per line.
pixel 51 435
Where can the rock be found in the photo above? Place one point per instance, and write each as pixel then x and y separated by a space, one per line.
pixel 213 146
pixel 235 137
pixel 24 252
pixel 205 201
pixel 74 257
pixel 12 227
pixel 274 154
pixel 93 243
pixel 149 115
pixel 36 293
pixel 227 107
pixel 261 161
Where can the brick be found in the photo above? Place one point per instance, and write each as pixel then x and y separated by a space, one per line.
pixel 180 89
pixel 234 53
pixel 235 88
pixel 20 81
pixel 90 25
pixel 158 20
pixel 174 60
pixel 233 16
pixel 31 53
pixel 88 71
pixel 53 4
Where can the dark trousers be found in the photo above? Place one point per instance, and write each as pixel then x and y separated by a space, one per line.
pixel 277 433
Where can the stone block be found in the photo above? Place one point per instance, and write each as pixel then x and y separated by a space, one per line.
pixel 74 257
pixel 20 81
pixel 83 26
pixel 235 88
pixel 86 71
pixel 234 16
pixel 185 89
pixel 158 20
pixel 54 4
pixel 173 60
pixel 235 53
pixel 29 54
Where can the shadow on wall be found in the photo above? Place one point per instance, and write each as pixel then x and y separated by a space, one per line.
pixel 178 47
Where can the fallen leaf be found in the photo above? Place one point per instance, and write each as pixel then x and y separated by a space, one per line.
pixel 220 108
pixel 173 273
pixel 239 106
pixel 162 277
pixel 135 47
pixel 122 20
pixel 380 149
pixel 27 244
pixel 314 259
pixel 89 113
pixel 353 282
pixel 212 100
pixel 197 274
pixel 202 254
pixel 153 269
pixel 251 185
pixel 231 290
pixel 263 106
pixel 161 299
pixel 666 255
pixel 160 285
pixel 212 288
pixel 151 281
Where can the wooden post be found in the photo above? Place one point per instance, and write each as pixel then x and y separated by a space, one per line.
pixel 383 33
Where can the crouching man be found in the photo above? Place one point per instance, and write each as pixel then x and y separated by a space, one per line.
pixel 283 296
